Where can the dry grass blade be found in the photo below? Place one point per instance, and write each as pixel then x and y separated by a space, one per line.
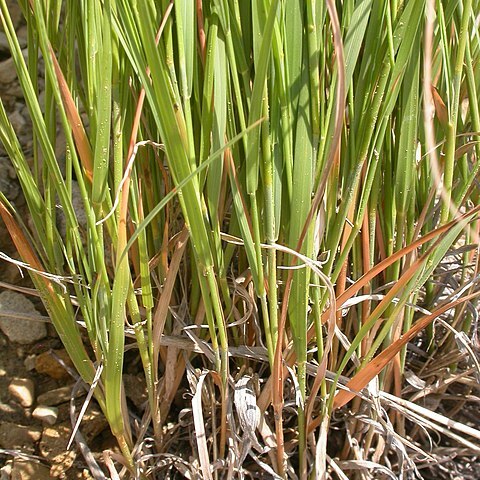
pixel 161 311
pixel 426 413
pixel 200 434
pixel 107 457
pixel 321 449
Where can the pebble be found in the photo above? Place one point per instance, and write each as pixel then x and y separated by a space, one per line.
pixel 15 12
pixel 20 351
pixel 58 396
pixel 23 391
pixel 28 470
pixel 14 436
pixel 17 329
pixel 4 43
pixel 10 188
pixel 6 471
pixel 7 71
pixel 22 36
pixel 15 91
pixel 46 414
pixel 29 362
pixel 47 364
pixel 17 121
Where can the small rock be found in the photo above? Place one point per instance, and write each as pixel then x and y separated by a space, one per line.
pixel 58 396
pixel 7 71
pixel 9 187
pixel 12 410
pixel 15 12
pixel 47 364
pixel 17 329
pixel 14 436
pixel 4 46
pixel 28 470
pixel 17 121
pixel 47 415
pixel 23 391
pixel 22 36
pixel 6 471
pixel 53 448
pixel 14 91
pixel 29 363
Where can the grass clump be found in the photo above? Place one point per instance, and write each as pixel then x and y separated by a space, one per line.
pixel 282 188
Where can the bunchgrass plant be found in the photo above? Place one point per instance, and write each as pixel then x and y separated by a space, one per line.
pixel 285 190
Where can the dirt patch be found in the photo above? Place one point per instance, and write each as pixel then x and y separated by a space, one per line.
pixel 31 445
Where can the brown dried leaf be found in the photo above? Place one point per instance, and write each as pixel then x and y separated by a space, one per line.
pixel 440 108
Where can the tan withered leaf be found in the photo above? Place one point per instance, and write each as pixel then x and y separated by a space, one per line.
pixel 440 108
pixel 79 135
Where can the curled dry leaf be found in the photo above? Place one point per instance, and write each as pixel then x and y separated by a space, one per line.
pixel 248 415
pixel 200 429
